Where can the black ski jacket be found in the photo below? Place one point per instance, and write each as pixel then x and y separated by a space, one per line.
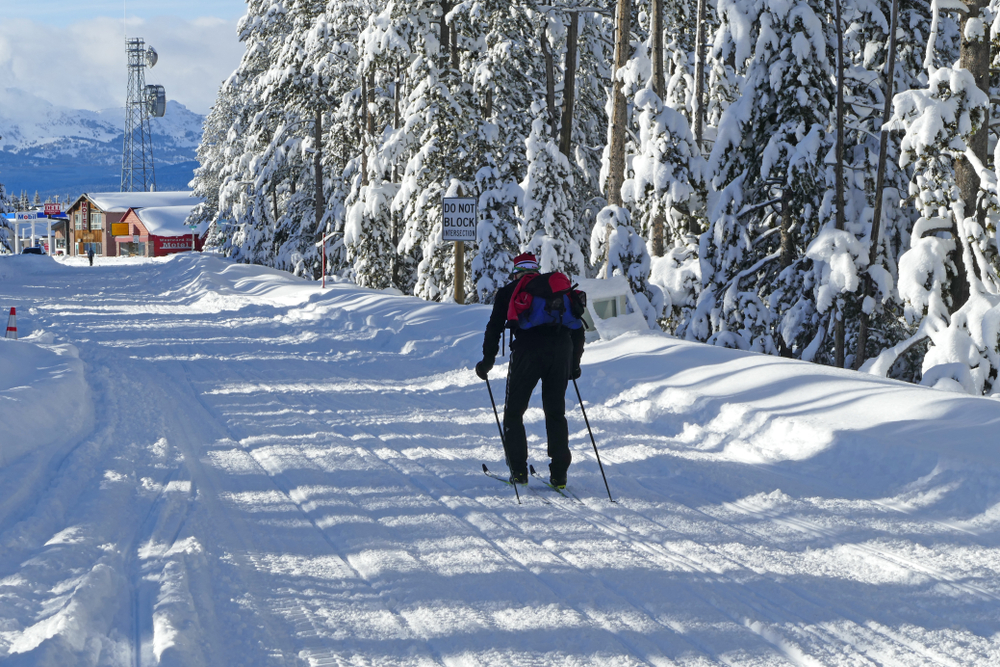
pixel 525 337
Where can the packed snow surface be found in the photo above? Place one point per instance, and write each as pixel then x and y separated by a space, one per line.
pixel 235 467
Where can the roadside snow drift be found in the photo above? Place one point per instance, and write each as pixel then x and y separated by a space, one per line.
pixel 282 475
pixel 44 398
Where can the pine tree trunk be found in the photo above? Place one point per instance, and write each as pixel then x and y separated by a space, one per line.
pixel 550 84
pixel 318 171
pixel 699 74
pixel 617 131
pixel 975 57
pixel 873 243
pixel 569 85
pixel 619 118
pixel 838 334
pixel 660 88
pixel 454 51
pixel 445 37
pixel 787 235
pixel 364 132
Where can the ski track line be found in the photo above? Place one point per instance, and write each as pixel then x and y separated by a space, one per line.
pixel 191 460
pixel 282 485
pixel 285 486
pixel 779 613
pixel 809 625
pixel 654 550
pixel 169 518
pixel 134 569
pixel 846 613
pixel 409 480
pixel 660 552
pixel 513 558
pixel 656 553
pixel 250 568
pixel 156 387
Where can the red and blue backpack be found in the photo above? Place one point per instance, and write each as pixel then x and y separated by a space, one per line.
pixel 545 300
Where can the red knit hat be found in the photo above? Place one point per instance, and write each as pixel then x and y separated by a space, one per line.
pixel 525 262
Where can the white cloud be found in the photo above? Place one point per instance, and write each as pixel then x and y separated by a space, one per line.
pixel 83 65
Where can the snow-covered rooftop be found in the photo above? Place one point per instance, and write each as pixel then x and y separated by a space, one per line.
pixel 168 220
pixel 119 202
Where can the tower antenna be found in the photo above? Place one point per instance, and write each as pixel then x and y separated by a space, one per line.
pixel 142 103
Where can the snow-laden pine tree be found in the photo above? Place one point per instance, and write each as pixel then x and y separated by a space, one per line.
pixel 614 238
pixel 548 217
pixel 6 233
pixel 950 286
pixel 370 231
pixel 246 199
pixel 661 193
pixel 288 136
pixel 590 122
pixel 624 254
pixel 211 156
pixel 346 135
pixel 768 167
pixel 440 122
pixel 505 72
pixel 665 167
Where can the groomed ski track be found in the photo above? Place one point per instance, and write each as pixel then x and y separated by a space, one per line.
pixel 278 475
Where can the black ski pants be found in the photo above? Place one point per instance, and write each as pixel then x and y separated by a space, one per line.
pixel 548 360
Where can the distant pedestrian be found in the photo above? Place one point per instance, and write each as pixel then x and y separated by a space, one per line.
pixel 543 312
pixel 90 254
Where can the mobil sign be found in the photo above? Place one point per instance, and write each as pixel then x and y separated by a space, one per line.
pixel 459 218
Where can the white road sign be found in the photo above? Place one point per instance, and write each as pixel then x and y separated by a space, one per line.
pixel 459 218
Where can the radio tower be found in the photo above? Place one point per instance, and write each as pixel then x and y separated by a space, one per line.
pixel 143 101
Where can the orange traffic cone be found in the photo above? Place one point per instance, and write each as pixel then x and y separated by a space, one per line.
pixel 12 324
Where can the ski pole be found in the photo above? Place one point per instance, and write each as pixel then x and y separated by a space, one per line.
pixel 587 422
pixel 502 441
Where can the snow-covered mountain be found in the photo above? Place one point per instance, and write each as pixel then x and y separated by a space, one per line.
pixel 57 150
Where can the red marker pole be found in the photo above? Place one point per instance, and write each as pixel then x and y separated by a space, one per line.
pixel 12 324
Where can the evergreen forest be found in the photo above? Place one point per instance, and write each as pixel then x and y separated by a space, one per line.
pixel 814 179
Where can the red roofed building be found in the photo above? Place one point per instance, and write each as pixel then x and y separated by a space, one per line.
pixel 156 231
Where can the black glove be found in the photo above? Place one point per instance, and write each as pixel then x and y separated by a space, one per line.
pixel 483 368
pixel 575 373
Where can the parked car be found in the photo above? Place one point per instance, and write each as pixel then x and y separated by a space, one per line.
pixel 32 251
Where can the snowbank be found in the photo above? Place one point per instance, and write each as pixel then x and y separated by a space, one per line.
pixel 44 398
pixel 13 268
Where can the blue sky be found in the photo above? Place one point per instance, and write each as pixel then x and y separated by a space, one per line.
pixel 72 54
pixel 65 12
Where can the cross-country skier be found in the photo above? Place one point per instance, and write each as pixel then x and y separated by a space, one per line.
pixel 548 353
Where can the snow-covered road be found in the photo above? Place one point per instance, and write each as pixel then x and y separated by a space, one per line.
pixel 268 474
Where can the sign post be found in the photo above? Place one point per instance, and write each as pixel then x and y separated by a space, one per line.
pixel 459 218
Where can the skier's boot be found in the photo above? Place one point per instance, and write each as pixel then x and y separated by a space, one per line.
pixel 557 481
pixel 519 477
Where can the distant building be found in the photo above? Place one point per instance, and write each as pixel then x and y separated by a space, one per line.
pixel 156 231
pixel 96 220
